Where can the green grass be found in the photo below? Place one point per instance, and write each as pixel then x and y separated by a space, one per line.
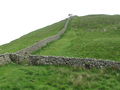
pixel 93 36
pixel 17 77
pixel 31 38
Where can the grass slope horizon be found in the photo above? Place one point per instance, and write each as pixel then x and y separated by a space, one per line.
pixel 92 36
pixel 32 38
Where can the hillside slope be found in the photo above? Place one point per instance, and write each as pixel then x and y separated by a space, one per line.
pixel 31 38
pixel 92 36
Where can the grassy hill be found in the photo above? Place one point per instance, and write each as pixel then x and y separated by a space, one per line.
pixel 31 38
pixel 93 36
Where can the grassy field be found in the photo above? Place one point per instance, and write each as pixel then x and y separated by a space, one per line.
pixel 17 77
pixel 31 38
pixel 93 36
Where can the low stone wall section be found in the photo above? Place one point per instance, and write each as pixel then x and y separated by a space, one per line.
pixel 80 62
pixel 55 60
pixel 44 42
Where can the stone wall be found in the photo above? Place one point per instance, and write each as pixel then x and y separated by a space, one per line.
pixel 22 55
pixel 44 42
pixel 55 60
pixel 80 62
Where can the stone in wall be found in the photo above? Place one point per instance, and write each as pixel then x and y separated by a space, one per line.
pixel 4 59
pixel 19 59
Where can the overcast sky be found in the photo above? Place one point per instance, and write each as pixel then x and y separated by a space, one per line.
pixel 19 17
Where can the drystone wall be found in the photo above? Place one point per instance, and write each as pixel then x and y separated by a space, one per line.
pixel 55 60
pixel 44 42
pixel 87 63
pixel 22 55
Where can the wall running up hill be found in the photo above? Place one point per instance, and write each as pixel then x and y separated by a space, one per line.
pixel 44 42
pixel 20 56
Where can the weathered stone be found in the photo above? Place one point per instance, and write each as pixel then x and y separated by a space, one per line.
pixel 4 59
